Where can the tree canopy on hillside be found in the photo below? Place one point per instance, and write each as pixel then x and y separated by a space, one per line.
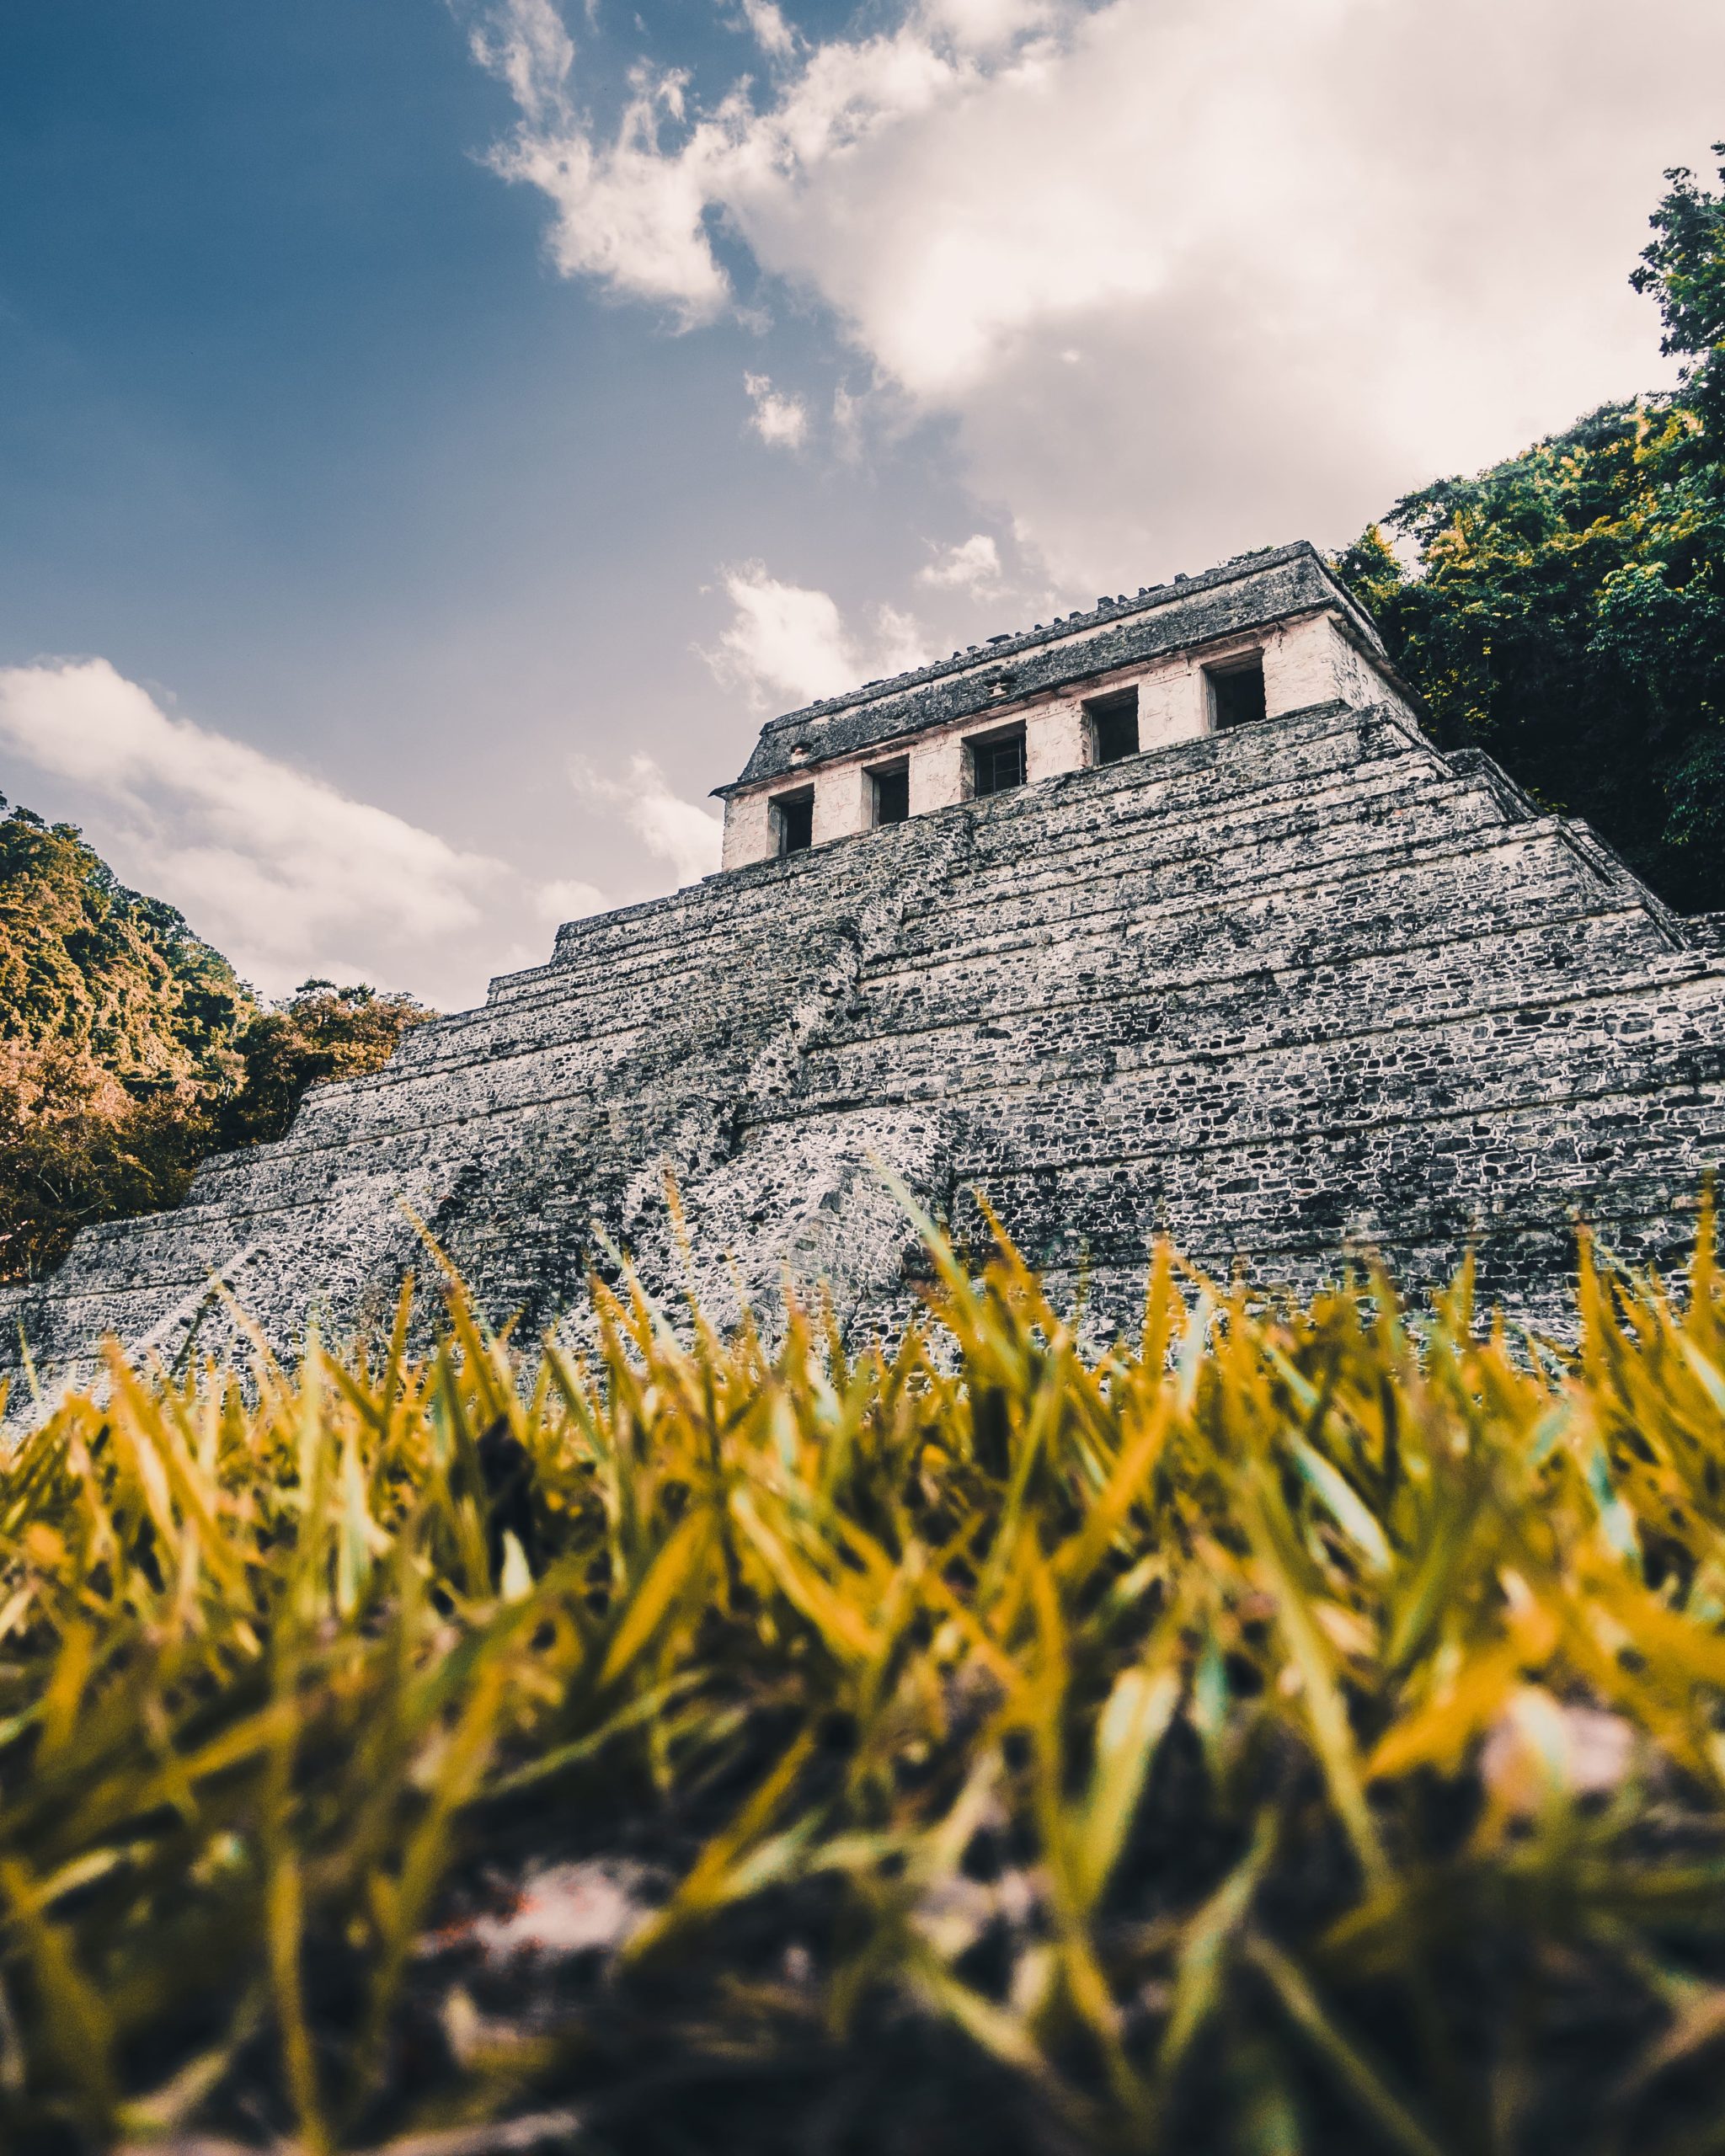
pixel 77 1146
pixel 90 966
pixel 130 1050
pixel 1566 609
pixel 319 1034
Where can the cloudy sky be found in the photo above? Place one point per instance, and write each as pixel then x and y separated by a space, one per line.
pixel 433 436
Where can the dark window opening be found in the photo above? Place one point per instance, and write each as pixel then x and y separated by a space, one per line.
pixel 892 794
pixel 1236 694
pixel 1114 727
pixel 795 812
pixel 997 766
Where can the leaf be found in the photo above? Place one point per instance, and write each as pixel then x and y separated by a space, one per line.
pixel 1206 1942
pixel 515 1581
pixel 669 1577
pixel 1362 2081
pixel 76 2031
pixel 1137 1714
pixel 1326 1712
pixel 1345 1505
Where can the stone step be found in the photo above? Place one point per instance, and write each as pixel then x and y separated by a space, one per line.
pixel 704 924
pixel 1220 870
pixel 1080 811
pixel 1324 890
pixel 1227 775
pixel 631 1001
pixel 1494 1058
pixel 1527 1252
pixel 1295 932
pixel 1395 1184
pixel 532 1073
pixel 1130 1018
pixel 1363 819
pixel 1217 773
pixel 614 1013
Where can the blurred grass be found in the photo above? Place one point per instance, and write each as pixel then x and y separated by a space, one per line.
pixel 1300 1729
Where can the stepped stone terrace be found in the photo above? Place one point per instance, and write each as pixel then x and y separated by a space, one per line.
pixel 1168 917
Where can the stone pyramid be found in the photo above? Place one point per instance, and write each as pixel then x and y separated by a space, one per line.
pixel 1276 975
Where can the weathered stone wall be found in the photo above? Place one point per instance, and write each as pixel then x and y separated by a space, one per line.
pixel 1282 607
pixel 1305 984
pixel 1274 585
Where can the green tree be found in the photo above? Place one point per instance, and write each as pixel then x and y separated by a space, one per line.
pixel 76 1147
pixel 318 1034
pixel 1566 609
pixel 1684 269
pixel 85 962
pixel 130 1050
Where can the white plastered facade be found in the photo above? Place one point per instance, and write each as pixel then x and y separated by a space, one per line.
pixel 1307 659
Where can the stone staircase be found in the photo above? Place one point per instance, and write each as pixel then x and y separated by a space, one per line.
pixel 1306 986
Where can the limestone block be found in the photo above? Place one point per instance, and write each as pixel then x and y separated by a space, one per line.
pixel 841 802
pixel 1172 705
pixel 1299 665
pixel 748 830
pixel 1055 740
pixel 936 772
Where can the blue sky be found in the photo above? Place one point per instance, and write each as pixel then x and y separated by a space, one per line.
pixel 432 436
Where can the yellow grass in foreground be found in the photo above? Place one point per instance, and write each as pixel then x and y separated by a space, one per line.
pixel 1291 1732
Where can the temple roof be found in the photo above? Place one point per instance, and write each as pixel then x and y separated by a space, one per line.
pixel 1249 592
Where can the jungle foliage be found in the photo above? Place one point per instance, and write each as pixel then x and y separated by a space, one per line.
pixel 1300 1730
pixel 1566 609
pixel 88 965
pixel 130 1050
pixel 76 1147
pixel 319 1034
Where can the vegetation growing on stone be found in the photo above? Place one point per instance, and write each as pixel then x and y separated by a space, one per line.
pixel 117 1033
pixel 1566 609
pixel 75 1146
pixel 319 1034
pixel 130 1050
pixel 1301 1729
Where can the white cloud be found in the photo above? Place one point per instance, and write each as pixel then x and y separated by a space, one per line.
pixel 973 566
pixel 567 898
pixel 681 832
pixel 281 871
pixel 1181 278
pixel 525 45
pixel 847 415
pixel 626 212
pixel 782 421
pixel 788 644
pixel 986 25
pixel 630 208
pixel 901 641
pixel 783 641
pixel 770 30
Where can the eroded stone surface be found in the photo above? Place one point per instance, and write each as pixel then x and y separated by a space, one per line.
pixel 1276 991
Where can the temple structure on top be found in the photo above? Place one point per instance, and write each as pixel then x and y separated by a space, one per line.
pixel 1168 917
pixel 1269 634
